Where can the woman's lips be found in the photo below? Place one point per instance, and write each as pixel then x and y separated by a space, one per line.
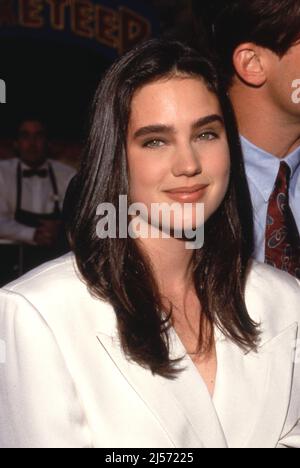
pixel 188 197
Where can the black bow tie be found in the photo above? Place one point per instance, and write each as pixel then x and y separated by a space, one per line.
pixel 43 173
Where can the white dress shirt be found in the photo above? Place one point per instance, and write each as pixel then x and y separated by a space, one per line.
pixel 66 382
pixel 262 170
pixel 37 196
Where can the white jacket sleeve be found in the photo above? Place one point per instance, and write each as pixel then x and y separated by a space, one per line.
pixel 39 407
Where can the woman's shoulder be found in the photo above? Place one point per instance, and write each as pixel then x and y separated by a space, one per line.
pixel 56 292
pixel 262 274
pixel 56 274
pixel 272 297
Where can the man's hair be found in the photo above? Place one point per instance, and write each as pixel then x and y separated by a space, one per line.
pixel 273 24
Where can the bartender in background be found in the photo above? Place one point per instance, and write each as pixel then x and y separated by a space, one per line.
pixel 32 191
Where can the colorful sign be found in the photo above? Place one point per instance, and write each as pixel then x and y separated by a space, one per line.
pixel 113 25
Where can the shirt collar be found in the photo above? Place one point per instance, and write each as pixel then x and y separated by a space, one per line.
pixel 263 167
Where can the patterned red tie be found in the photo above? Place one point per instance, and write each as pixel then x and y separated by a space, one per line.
pixel 282 236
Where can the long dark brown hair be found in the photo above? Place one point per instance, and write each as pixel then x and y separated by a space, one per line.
pixel 115 270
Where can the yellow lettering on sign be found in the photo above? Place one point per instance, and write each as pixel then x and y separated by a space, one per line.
pixel 119 29
pixel 30 13
pixel 133 28
pixel 82 16
pixel 107 26
pixel 58 13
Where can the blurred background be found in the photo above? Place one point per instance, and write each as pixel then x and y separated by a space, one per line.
pixel 53 53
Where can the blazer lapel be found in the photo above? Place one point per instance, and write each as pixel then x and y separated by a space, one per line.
pixel 253 390
pixel 251 399
pixel 182 406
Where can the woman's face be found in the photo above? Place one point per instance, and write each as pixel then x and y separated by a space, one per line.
pixel 176 141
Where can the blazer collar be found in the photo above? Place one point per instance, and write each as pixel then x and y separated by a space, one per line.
pixel 248 389
pixel 182 406
pixel 253 390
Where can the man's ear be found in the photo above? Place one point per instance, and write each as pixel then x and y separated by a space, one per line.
pixel 249 64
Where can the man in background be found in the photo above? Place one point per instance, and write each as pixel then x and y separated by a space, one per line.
pixel 258 45
pixel 32 190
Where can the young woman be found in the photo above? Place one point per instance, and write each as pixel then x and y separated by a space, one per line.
pixel 138 340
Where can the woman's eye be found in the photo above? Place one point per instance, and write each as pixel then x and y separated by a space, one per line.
pixel 208 136
pixel 153 144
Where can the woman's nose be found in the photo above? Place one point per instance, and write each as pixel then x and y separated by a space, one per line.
pixel 187 161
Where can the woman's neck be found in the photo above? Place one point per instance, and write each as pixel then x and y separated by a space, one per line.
pixel 171 262
pixel 172 265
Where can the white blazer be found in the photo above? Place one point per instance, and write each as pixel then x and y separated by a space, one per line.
pixel 65 382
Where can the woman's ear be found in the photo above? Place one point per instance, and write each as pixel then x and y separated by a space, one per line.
pixel 249 64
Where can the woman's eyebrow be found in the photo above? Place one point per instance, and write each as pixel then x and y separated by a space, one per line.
pixel 207 120
pixel 155 128
pixel 159 128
